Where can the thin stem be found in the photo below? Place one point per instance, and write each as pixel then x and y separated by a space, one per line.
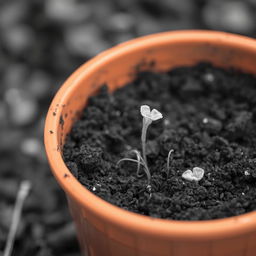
pixel 22 194
pixel 145 125
pixel 168 161
pixel 129 159
pixel 146 171
pixel 142 163
pixel 137 153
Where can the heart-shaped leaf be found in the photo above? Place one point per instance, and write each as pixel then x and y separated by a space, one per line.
pixel 195 175
pixel 152 115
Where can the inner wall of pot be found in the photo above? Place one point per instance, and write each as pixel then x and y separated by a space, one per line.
pixel 119 67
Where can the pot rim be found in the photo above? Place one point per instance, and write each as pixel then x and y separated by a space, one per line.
pixel 193 230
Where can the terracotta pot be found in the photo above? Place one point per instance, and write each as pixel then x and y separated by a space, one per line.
pixel 104 229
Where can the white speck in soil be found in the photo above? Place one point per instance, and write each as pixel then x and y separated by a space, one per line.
pixel 128 147
pixel 205 120
pixel 246 173
pixel 208 77
pixel 166 122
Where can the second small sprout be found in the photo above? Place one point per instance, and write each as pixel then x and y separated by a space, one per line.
pixel 196 174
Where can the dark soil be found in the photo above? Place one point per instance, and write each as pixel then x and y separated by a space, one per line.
pixel 209 121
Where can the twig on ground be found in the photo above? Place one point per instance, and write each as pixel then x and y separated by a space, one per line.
pixel 22 194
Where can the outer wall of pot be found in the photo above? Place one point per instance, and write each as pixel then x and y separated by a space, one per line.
pixel 104 229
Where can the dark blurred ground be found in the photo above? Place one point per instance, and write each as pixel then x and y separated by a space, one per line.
pixel 41 43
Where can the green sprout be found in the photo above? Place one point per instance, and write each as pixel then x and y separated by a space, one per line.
pixel 195 175
pixel 148 118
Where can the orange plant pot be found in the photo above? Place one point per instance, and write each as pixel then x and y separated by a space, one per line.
pixel 104 229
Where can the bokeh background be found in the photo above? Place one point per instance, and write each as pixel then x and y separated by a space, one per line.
pixel 41 43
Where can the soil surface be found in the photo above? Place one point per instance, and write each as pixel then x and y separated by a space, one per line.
pixel 209 120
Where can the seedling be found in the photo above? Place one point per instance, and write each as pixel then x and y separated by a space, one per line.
pixel 148 118
pixel 168 162
pixel 195 175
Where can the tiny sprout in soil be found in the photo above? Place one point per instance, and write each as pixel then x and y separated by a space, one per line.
pixel 168 162
pixel 195 175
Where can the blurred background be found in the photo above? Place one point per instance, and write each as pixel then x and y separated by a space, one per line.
pixel 41 43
